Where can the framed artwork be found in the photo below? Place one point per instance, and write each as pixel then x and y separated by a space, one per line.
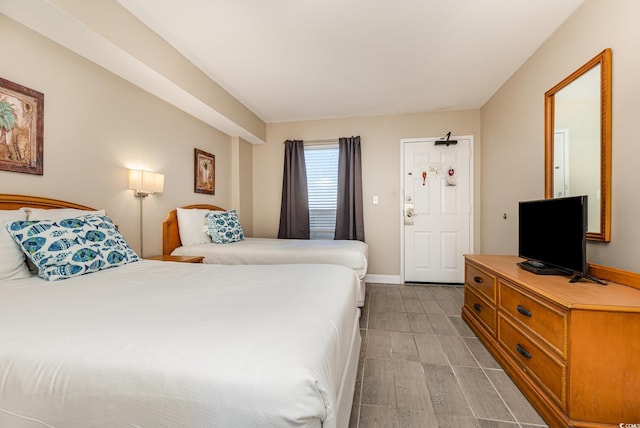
pixel 204 172
pixel 21 128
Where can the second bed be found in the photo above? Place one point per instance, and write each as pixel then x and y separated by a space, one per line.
pixel 257 251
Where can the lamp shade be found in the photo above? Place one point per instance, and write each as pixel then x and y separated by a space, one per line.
pixel 146 182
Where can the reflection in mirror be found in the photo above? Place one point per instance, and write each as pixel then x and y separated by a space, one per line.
pixel 578 141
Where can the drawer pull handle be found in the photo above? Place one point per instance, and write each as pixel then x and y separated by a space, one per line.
pixel 524 311
pixel 478 279
pixel 523 351
pixel 477 307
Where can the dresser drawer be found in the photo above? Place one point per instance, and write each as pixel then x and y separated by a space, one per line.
pixel 482 281
pixel 545 321
pixel 541 366
pixel 481 309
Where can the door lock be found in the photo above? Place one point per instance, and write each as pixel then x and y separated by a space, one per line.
pixel 409 214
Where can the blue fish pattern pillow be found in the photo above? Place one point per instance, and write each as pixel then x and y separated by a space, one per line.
pixel 224 227
pixel 71 247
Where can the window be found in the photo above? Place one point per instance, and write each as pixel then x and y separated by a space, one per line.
pixel 322 181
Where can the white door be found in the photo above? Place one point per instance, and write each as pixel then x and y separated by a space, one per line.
pixel 561 163
pixel 437 211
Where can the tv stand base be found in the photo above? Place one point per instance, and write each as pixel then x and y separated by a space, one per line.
pixel 577 278
pixel 540 268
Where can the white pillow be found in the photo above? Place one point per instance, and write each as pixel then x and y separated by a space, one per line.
pixel 58 213
pixel 12 261
pixel 193 227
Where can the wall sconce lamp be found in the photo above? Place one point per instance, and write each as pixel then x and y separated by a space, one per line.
pixel 144 183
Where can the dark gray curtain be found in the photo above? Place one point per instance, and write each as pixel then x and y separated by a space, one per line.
pixel 294 209
pixel 349 220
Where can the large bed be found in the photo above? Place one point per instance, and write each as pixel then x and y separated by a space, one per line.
pixel 152 343
pixel 263 251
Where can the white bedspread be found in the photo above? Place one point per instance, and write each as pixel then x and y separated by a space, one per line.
pixel 155 344
pixel 264 251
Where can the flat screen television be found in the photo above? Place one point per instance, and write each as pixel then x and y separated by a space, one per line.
pixel 552 236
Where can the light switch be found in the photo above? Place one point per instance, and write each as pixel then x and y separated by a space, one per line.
pixel 375 200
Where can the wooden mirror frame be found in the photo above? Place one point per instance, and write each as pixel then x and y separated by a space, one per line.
pixel 604 60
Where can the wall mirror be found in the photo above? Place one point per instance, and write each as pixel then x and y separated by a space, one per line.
pixel 578 141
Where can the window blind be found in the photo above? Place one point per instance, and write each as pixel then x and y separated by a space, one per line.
pixel 322 183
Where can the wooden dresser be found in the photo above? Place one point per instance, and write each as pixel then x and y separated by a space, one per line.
pixel 573 349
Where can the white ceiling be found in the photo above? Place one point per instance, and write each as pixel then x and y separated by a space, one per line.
pixel 292 60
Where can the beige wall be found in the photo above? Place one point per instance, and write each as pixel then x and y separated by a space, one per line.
pixel 513 129
pixel 96 126
pixel 242 182
pixel 381 171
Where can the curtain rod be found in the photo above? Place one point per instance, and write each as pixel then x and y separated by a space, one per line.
pixel 325 141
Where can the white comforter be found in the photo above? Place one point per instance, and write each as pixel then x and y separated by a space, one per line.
pixel 264 251
pixel 155 344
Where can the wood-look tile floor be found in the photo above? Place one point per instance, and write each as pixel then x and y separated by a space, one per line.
pixel 421 366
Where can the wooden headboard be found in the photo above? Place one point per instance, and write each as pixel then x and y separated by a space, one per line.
pixel 170 231
pixel 13 202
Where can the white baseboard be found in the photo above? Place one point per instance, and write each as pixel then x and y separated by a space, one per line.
pixel 382 279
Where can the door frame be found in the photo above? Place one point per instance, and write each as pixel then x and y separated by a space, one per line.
pixel 403 141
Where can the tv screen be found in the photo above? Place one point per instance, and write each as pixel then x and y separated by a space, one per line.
pixel 552 235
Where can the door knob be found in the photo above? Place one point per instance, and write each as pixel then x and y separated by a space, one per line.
pixel 408 214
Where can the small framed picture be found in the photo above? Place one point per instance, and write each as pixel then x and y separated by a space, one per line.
pixel 21 128
pixel 204 172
